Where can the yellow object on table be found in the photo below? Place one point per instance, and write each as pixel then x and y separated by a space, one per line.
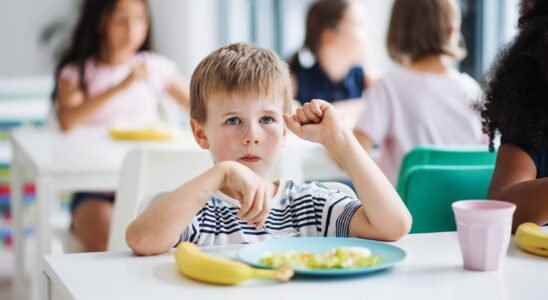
pixel 531 238
pixel 195 264
pixel 143 134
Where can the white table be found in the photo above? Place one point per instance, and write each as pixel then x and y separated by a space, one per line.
pixel 23 111
pixel 88 159
pixel 432 270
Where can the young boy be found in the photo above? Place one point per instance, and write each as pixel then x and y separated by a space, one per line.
pixel 240 106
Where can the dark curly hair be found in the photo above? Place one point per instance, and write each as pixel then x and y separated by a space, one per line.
pixel 516 90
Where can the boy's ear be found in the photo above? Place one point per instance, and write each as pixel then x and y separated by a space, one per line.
pixel 199 134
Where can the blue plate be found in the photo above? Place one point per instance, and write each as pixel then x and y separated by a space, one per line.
pixel 390 254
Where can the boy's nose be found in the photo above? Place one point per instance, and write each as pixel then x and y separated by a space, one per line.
pixel 249 140
pixel 252 135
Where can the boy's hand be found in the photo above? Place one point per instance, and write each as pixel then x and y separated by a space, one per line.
pixel 253 192
pixel 315 121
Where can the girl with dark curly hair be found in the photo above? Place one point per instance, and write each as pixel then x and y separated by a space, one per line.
pixel 516 106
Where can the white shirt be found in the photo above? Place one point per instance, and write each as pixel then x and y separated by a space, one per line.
pixel 407 109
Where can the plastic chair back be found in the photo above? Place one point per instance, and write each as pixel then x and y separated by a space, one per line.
pixel 444 156
pixel 429 192
pixel 145 174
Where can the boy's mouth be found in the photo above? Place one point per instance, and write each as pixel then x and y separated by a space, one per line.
pixel 250 158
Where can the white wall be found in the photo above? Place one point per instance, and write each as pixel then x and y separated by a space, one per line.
pixel 184 30
pixel 512 14
pixel 21 22
pixel 236 14
pixel 377 20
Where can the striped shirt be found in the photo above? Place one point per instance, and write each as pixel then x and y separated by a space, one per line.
pixel 310 209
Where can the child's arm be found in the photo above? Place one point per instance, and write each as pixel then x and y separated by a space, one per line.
pixel 515 180
pixel 364 140
pixel 160 226
pixel 384 215
pixel 178 89
pixel 73 108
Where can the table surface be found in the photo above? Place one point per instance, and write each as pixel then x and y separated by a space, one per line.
pixel 431 270
pixel 82 150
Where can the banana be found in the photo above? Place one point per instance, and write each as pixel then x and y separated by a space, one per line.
pixel 531 238
pixel 145 134
pixel 195 264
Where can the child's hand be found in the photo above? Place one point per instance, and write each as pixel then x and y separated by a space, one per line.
pixel 253 192
pixel 315 121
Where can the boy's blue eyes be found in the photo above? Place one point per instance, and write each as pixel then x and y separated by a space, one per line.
pixel 267 120
pixel 238 121
pixel 233 121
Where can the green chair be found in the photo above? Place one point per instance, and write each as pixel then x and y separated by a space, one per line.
pixel 429 191
pixel 455 156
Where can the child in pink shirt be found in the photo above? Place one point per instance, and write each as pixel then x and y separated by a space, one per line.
pixel 424 100
pixel 137 104
pixel 109 77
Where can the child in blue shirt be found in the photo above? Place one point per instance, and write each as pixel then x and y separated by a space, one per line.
pixel 241 112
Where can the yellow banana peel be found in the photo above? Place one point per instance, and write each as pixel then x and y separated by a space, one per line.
pixel 197 265
pixel 531 238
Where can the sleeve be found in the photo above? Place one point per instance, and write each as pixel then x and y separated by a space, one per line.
pixel 162 71
pixel 375 119
pixel 337 211
pixel 360 77
pixel 527 148
pixel 192 231
pixel 69 72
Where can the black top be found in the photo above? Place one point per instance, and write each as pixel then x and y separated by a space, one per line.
pixel 539 155
pixel 313 83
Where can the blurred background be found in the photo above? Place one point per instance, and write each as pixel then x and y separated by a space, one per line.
pixel 185 30
pixel 34 32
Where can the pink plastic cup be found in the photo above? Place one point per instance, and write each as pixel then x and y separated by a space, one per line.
pixel 484 228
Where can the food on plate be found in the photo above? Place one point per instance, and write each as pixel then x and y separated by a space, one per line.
pixel 336 258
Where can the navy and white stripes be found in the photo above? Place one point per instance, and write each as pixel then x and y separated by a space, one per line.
pixel 297 210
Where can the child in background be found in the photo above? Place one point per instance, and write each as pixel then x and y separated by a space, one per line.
pixel 108 77
pixel 424 100
pixel 516 107
pixel 240 106
pixel 329 66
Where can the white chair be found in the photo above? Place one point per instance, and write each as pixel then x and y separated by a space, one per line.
pixel 145 174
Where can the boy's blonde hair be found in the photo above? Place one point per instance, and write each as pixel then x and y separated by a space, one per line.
pixel 240 69
pixel 421 28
